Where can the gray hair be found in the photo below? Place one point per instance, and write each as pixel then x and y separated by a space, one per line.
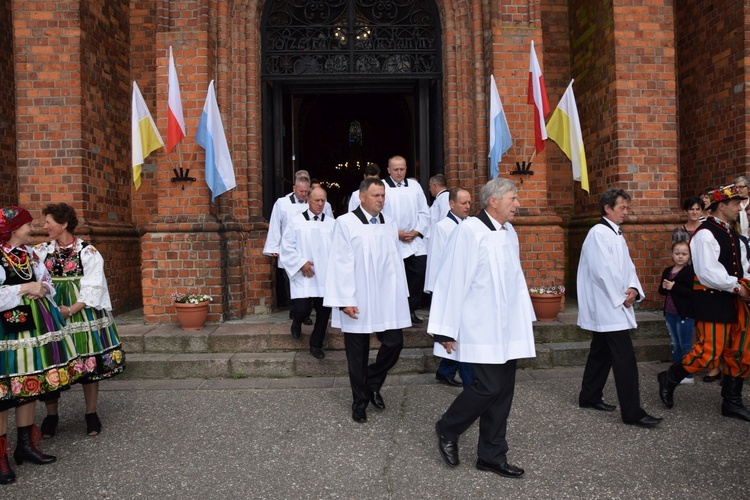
pixel 301 176
pixel 495 188
pixel 439 180
pixel 742 178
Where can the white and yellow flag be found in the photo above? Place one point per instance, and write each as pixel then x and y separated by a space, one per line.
pixel 144 134
pixel 565 129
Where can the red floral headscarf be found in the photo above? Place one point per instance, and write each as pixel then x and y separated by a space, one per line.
pixel 11 218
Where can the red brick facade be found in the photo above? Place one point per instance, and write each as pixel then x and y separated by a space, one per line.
pixel 660 89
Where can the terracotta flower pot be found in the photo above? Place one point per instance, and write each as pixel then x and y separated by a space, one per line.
pixel 192 316
pixel 546 305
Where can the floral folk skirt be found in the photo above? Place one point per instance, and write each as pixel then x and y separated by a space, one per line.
pixel 38 361
pixel 94 333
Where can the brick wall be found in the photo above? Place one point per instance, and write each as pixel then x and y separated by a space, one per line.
pixel 712 47
pixel 8 170
pixel 71 72
pixel 624 65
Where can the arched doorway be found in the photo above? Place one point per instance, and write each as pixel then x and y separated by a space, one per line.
pixel 333 67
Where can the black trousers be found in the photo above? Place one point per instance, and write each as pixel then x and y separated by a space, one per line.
pixel 613 350
pixel 415 267
pixel 282 287
pixel 366 379
pixel 489 399
pixel 301 308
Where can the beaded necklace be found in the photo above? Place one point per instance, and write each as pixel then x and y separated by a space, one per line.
pixel 21 265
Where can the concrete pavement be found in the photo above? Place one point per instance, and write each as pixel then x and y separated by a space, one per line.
pixel 294 438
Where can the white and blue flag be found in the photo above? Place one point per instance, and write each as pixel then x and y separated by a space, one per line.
pixel 210 136
pixel 500 140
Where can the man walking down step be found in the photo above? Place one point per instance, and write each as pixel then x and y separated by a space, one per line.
pixel 607 289
pixel 721 315
pixel 304 255
pixel 481 314
pixel 366 287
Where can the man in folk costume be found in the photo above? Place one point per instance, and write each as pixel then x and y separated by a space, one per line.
pixel 304 255
pixel 406 204
pixel 481 314
pixel 460 204
pixel 720 306
pixel 366 287
pixel 607 289
pixel 283 209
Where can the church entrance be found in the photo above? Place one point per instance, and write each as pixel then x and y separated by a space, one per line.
pixel 347 83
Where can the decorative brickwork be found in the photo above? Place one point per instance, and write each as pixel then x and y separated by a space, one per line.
pixel 65 132
pixel 8 167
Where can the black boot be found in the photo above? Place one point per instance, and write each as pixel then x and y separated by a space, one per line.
pixel 26 448
pixel 668 381
pixel 7 475
pixel 731 405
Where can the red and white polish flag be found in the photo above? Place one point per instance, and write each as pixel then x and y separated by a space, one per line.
pixel 175 119
pixel 537 97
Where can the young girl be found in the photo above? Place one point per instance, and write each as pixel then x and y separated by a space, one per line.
pixel 677 287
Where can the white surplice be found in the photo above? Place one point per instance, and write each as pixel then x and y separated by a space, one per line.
pixel 480 297
pixel 605 272
pixel 282 210
pixel 438 239
pixel 366 270
pixel 306 240
pixel 353 200
pixel 407 206
pixel 440 208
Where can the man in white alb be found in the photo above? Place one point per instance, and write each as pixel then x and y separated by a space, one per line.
pixel 481 314
pixel 366 287
pixel 407 205
pixel 304 255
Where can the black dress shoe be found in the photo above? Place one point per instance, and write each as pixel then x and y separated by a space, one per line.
pixel 377 401
pixel 296 329
pixel 601 406
pixel 448 449
pixel 646 421
pixel 415 319
pixel 317 353
pixel 447 381
pixel 505 469
pixel 712 378
pixel 359 416
pixel 307 321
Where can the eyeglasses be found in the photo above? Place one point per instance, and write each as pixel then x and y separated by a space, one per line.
pixel 740 186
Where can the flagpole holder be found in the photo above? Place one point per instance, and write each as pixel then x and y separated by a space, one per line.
pixel 182 176
pixel 522 168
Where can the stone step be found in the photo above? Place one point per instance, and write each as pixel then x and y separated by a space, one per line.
pixel 260 337
pixel 302 364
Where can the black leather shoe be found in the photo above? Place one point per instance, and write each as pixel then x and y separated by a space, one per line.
pixel 646 421
pixel 377 401
pixel 359 416
pixel 296 329
pixel 601 406
pixel 307 321
pixel 504 469
pixel 415 319
pixel 447 381
pixel 712 378
pixel 448 449
pixel 317 353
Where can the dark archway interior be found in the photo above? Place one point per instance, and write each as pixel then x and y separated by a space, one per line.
pixel 330 148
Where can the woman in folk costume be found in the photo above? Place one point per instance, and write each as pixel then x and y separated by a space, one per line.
pixel 37 354
pixel 77 271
